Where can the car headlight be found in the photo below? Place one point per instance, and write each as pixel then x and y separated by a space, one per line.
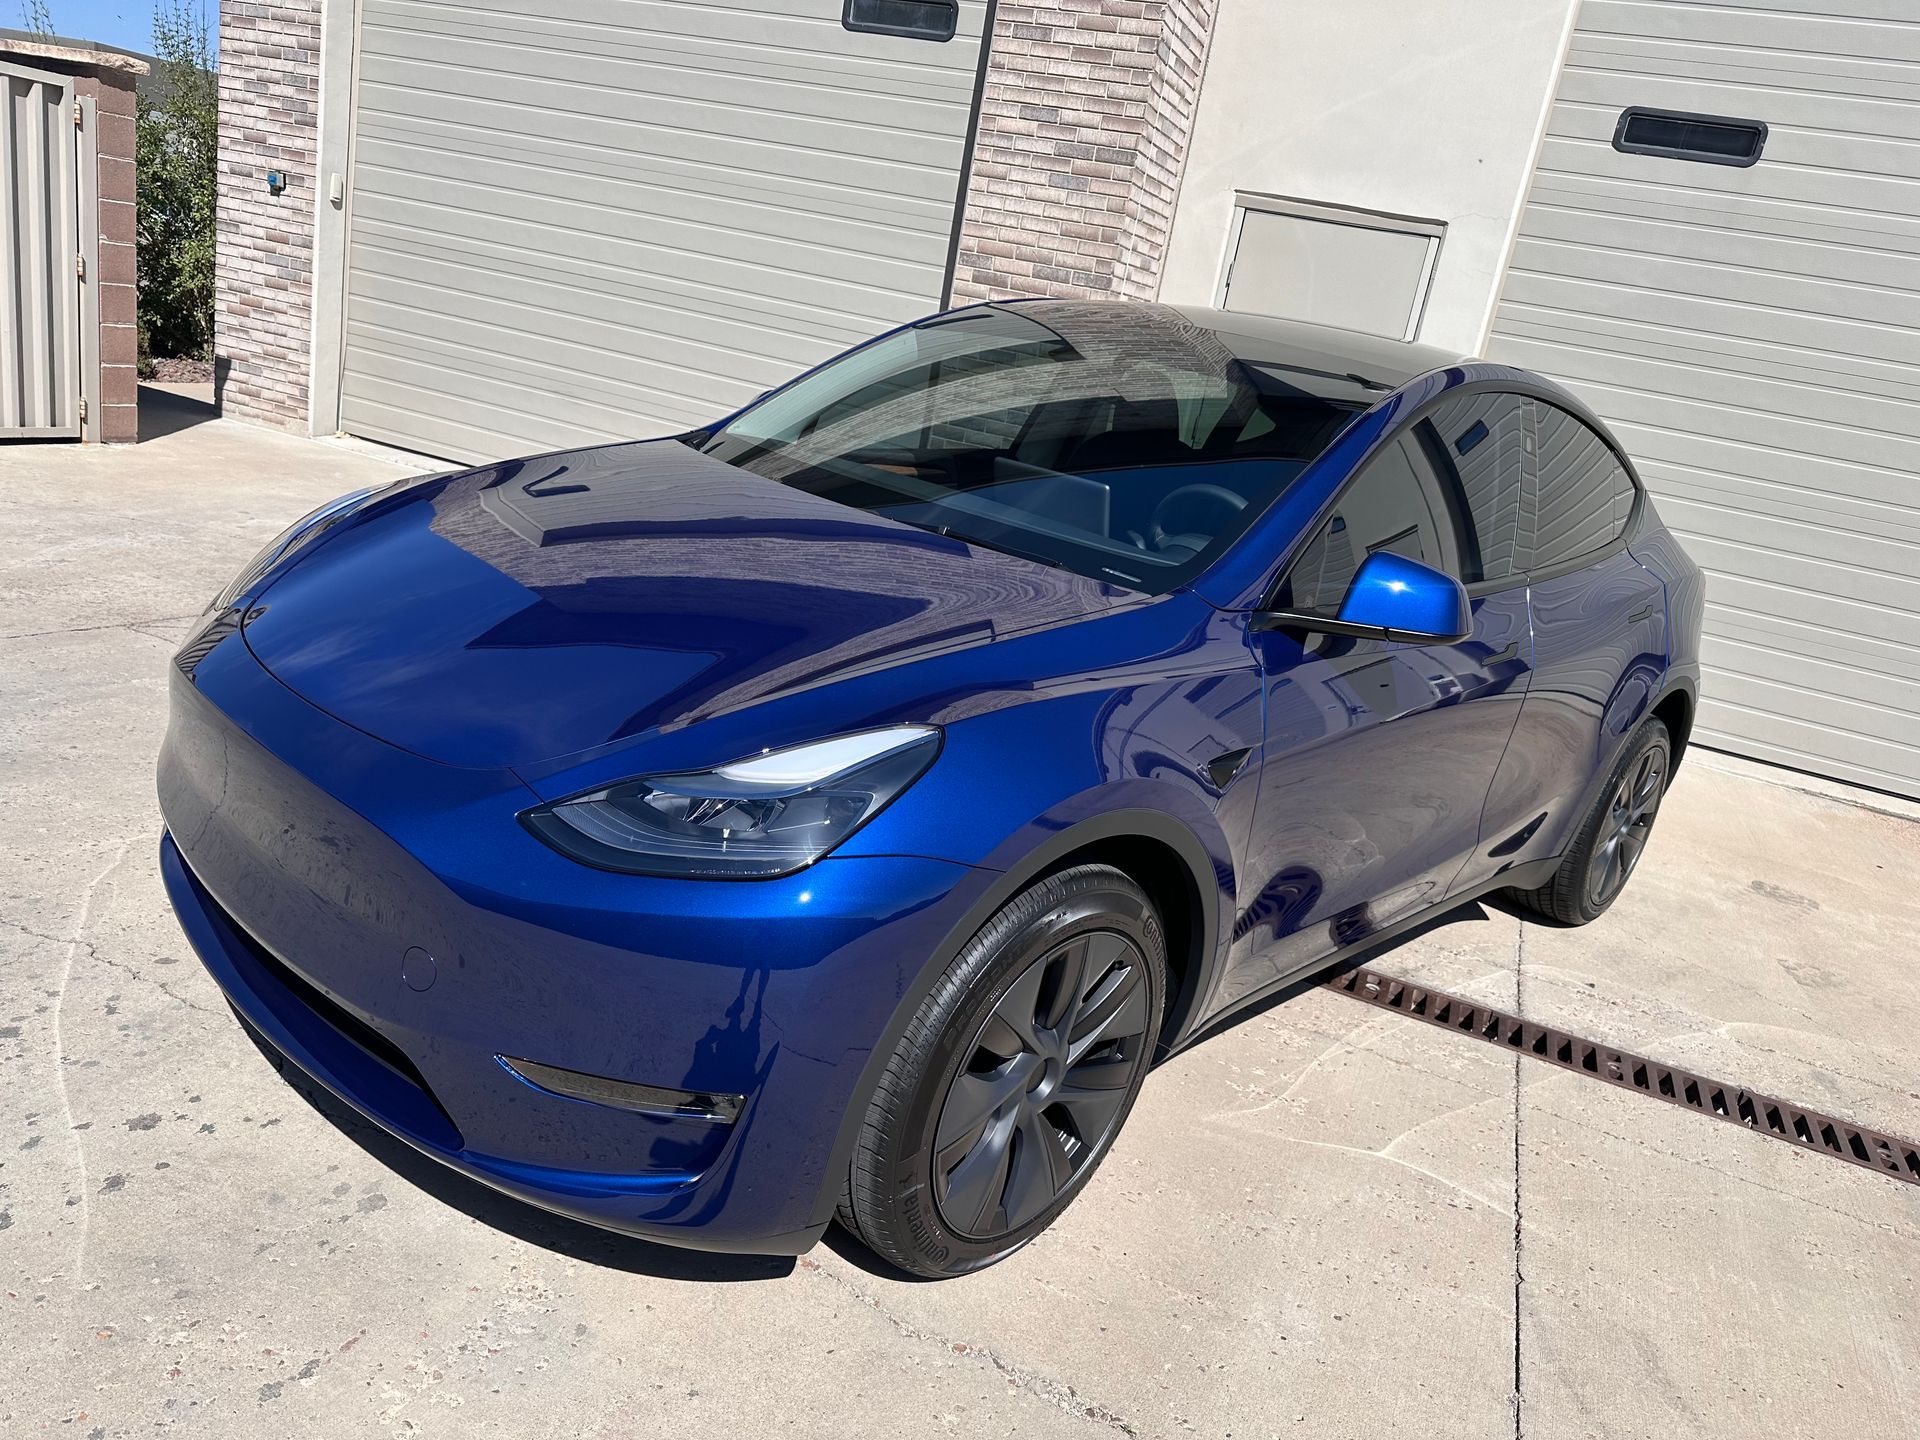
pixel 303 530
pixel 768 815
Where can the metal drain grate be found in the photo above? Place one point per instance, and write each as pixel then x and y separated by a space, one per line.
pixel 1762 1114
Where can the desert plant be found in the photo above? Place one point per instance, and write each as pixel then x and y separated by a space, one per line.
pixel 177 145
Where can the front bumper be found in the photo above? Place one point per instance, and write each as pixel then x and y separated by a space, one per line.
pixel 310 864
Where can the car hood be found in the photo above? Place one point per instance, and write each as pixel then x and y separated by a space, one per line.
pixel 543 607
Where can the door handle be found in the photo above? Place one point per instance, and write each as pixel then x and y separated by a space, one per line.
pixel 1510 652
pixel 1645 612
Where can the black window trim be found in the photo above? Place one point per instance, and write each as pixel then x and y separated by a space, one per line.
pixel 1523 389
pixel 1688 117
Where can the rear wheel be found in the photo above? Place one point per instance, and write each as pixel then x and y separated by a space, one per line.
pixel 1609 842
pixel 1013 1078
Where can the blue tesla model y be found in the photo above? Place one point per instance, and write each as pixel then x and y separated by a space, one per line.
pixel 836 811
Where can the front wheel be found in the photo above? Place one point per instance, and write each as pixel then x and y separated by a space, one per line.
pixel 1013 1078
pixel 1609 842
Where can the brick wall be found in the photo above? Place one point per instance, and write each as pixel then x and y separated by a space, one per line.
pixel 1083 133
pixel 263 289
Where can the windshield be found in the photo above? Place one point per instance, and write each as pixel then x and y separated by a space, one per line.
pixel 1124 442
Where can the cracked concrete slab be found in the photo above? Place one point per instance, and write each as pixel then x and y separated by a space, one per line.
pixel 1324 1221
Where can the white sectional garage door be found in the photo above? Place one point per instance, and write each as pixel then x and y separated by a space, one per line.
pixel 1754 336
pixel 585 220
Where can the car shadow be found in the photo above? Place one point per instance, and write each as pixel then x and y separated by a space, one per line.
pixel 556 1233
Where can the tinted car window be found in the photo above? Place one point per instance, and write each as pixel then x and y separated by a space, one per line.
pixel 1397 503
pixel 1582 496
pixel 1124 442
pixel 1479 444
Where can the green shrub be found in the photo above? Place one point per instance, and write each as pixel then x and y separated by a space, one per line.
pixel 177 140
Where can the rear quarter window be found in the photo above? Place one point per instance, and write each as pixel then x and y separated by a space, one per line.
pixel 1583 495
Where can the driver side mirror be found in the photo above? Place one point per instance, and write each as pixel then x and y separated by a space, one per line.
pixel 1391 598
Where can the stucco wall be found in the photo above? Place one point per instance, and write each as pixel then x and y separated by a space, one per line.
pixel 1428 110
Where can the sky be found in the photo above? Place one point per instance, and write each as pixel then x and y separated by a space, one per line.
pixel 128 23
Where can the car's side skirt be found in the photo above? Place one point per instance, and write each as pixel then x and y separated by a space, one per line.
pixel 1528 876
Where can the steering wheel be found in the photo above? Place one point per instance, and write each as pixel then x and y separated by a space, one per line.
pixel 1188 518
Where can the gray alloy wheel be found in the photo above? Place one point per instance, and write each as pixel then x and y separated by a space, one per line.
pixel 1631 806
pixel 1597 863
pixel 1047 1078
pixel 1013 1077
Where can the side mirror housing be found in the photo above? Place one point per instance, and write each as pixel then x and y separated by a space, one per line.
pixel 1407 601
pixel 1391 598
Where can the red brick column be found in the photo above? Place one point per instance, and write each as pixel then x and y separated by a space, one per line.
pixel 1083 134
pixel 118 416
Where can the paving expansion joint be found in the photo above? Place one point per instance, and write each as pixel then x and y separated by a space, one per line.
pixel 1761 1114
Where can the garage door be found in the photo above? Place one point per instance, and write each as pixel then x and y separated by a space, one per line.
pixel 1753 331
pixel 575 222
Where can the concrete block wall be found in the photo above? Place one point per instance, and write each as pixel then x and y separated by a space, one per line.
pixel 115 276
pixel 113 391
pixel 1083 132
pixel 263 289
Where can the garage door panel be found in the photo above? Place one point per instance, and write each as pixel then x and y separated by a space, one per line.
pixel 546 403
pixel 755 141
pixel 1751 66
pixel 1799 184
pixel 551 222
pixel 1644 405
pixel 686 76
pixel 1778 716
pixel 1753 334
pixel 1872 557
pixel 1726 385
pixel 1843 523
pixel 592 351
pixel 1823 658
pixel 622 217
pixel 698 339
pixel 1809 126
pixel 1804 329
pixel 1865 29
pixel 1678 345
pixel 776 326
pixel 723 160
pixel 539 186
pixel 1708 211
pixel 1829 258
pixel 832 200
pixel 749 32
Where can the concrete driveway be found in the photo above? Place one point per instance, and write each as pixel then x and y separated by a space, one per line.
pixel 1325 1221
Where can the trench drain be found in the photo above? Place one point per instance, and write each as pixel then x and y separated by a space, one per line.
pixel 1761 1114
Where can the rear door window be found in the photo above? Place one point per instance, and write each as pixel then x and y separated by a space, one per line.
pixel 1398 503
pixel 1583 495
pixel 1479 445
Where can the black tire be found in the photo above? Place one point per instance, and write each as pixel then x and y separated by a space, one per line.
pixel 1081 954
pixel 1607 846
